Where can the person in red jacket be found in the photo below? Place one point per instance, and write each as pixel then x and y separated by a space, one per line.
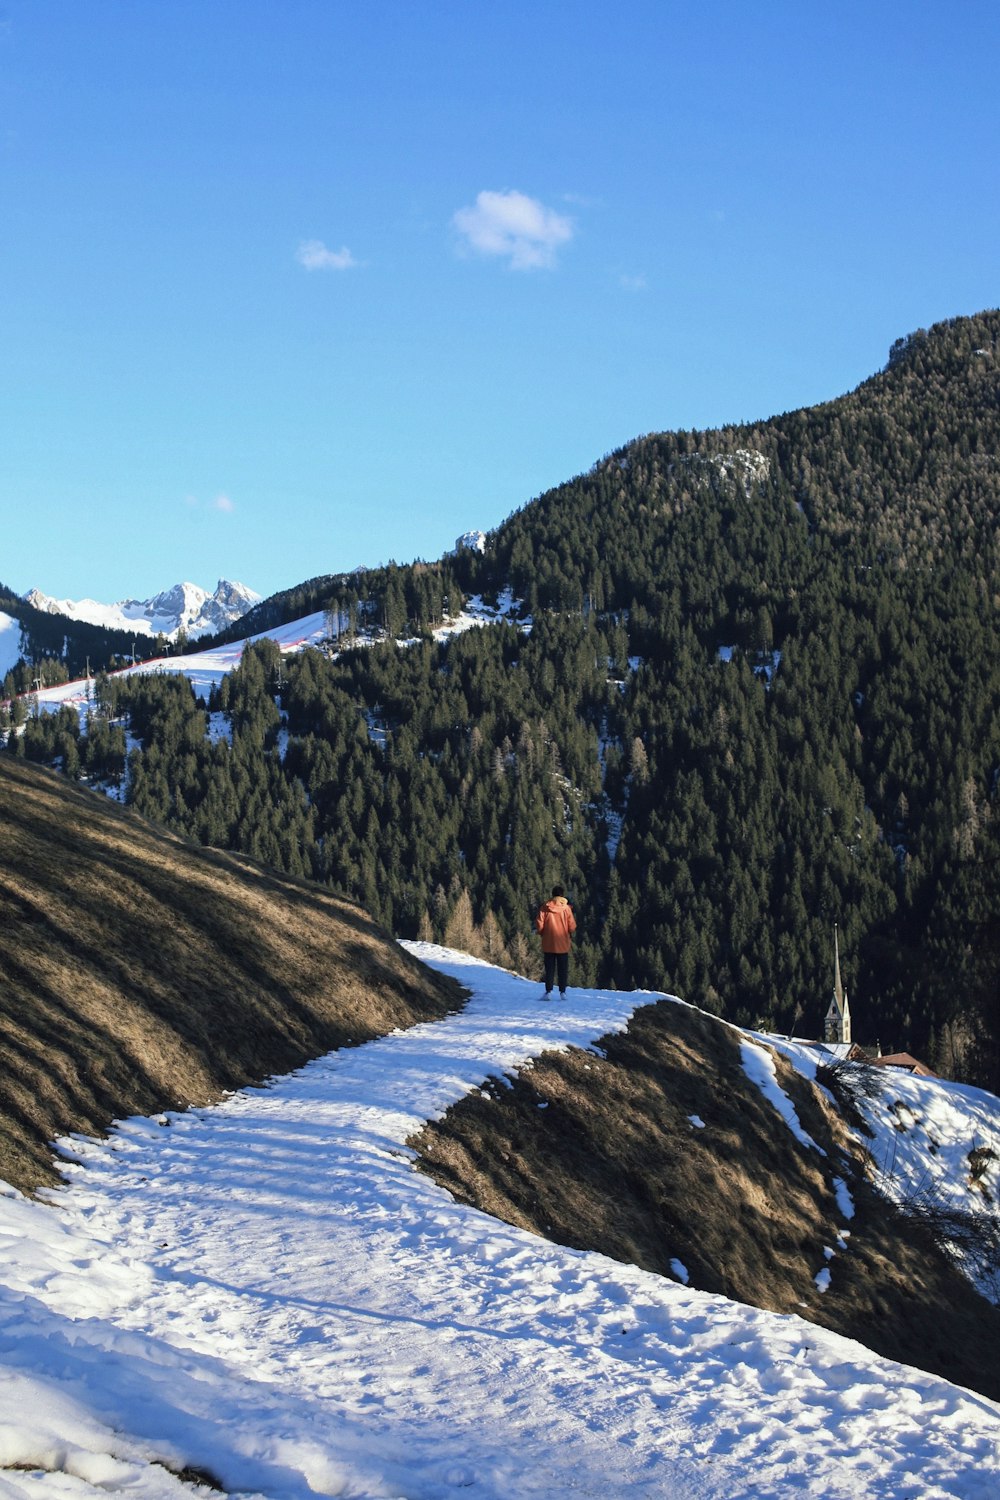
pixel 556 923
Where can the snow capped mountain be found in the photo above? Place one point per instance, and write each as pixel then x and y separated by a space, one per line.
pixel 184 607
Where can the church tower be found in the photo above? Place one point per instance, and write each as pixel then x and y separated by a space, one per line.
pixel 838 1017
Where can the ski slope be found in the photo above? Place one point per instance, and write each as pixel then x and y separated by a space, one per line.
pixel 270 1291
pixel 10 643
pixel 203 668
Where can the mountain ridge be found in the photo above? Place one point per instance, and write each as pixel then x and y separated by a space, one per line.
pixel 185 607
pixel 957 346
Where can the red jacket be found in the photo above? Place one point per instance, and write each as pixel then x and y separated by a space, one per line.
pixel 555 922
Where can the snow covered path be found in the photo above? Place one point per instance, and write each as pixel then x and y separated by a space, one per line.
pixel 269 1290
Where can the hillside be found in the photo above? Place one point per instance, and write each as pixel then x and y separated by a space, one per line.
pixel 901 473
pixel 659 1149
pixel 140 973
pixel 752 690
pixel 268 1297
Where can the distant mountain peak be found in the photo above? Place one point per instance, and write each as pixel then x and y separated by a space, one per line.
pixel 184 606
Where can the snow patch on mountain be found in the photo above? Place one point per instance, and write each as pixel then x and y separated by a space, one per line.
pixel 471 541
pixel 758 1064
pixel 10 643
pixel 184 607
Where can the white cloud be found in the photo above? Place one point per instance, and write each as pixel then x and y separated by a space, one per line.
pixel 514 226
pixel 221 502
pixel 632 283
pixel 314 255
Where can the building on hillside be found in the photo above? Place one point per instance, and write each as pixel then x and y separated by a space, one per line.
pixel 837 1027
pixel 904 1061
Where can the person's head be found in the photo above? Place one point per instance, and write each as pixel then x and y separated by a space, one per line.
pixel 558 890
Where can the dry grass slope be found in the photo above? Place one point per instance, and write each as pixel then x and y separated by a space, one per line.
pixel 615 1164
pixel 139 972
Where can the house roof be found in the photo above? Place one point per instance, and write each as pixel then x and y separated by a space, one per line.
pixel 905 1061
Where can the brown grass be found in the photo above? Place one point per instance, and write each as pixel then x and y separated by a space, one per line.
pixel 139 972
pixel 614 1164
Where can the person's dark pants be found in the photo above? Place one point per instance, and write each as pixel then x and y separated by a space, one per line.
pixel 556 963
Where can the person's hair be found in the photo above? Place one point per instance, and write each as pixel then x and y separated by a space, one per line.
pixel 558 890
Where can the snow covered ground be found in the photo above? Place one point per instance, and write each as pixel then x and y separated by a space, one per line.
pixel 933 1143
pixel 10 643
pixel 270 1291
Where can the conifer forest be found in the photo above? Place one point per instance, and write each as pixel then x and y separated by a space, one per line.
pixel 749 688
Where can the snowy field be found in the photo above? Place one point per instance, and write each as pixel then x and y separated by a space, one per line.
pixel 270 1291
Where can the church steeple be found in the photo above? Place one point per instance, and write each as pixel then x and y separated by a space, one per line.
pixel 838 1017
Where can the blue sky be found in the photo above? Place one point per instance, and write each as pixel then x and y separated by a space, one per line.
pixel 289 287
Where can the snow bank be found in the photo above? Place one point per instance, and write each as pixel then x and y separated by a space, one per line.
pixel 758 1064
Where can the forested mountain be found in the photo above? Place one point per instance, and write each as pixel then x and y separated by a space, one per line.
pixel 760 695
